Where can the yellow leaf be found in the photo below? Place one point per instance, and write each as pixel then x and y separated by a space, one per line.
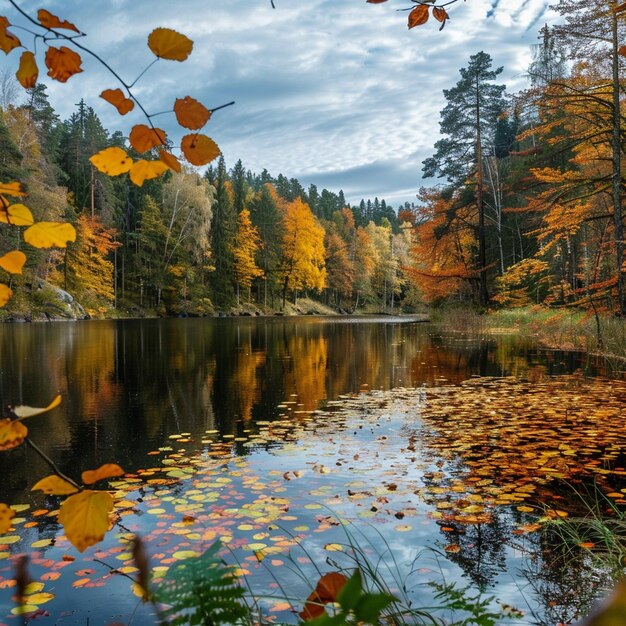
pixel 144 138
pixel 6 515
pixel 17 215
pixel 166 43
pixel 13 189
pixel 13 262
pixel 29 411
pixel 112 161
pixel 145 170
pixel 8 40
pixel 28 71
pixel 49 20
pixel 85 517
pixel 170 160
pixel 12 434
pixel 50 234
pixel 54 485
pixel 40 598
pixel 5 294
pixel 199 149
pixel 109 470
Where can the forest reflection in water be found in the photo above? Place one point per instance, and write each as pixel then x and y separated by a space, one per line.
pixel 128 384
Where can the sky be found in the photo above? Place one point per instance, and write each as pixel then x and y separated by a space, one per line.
pixel 338 93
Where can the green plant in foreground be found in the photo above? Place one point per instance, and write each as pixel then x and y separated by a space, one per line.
pixel 202 590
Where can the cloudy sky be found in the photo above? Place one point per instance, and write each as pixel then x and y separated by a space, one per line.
pixel 333 92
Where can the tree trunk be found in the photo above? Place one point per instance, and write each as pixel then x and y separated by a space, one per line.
pixel 482 256
pixel 617 165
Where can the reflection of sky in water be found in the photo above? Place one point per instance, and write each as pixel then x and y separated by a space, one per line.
pixel 129 385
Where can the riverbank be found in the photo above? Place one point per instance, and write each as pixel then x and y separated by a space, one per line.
pixel 558 329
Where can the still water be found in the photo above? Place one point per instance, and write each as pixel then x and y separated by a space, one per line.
pixel 133 390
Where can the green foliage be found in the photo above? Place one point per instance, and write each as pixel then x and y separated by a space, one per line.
pixel 202 590
pixel 356 605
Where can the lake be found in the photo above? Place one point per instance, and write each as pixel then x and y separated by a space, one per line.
pixel 269 433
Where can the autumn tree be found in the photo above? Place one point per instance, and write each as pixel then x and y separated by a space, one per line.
pixel 302 263
pixel 467 124
pixel 246 245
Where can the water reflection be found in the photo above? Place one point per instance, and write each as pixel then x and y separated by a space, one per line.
pixel 128 385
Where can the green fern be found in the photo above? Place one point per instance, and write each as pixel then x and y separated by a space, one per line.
pixel 202 590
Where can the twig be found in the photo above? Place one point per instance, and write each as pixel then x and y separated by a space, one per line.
pixel 52 464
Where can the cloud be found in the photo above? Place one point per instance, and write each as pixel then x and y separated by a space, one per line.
pixel 340 94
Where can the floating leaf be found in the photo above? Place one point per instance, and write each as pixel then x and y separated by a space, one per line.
pixel 29 411
pixel 199 149
pixel 54 486
pixel 13 261
pixel 39 598
pixel 5 294
pixel 12 433
pixel 28 71
pixel 6 515
pixel 190 113
pixel 143 138
pixel 17 215
pixel 49 20
pixel 62 63
pixel 109 470
pixel 112 161
pixel 85 517
pixel 166 43
pixel 50 234
pixel 170 160
pixel 117 98
pixel 326 590
pixel 146 170
pixel 418 16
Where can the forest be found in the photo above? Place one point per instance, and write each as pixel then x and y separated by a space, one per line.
pixel 524 207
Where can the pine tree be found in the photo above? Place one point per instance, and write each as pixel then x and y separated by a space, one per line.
pixel 468 121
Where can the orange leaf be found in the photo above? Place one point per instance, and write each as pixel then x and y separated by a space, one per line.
pixel 85 517
pixel 170 160
pixel 54 485
pixel 50 234
pixel 5 294
pixel 8 41
pixel 169 44
pixel 418 16
pixel 117 98
pixel 190 113
pixel 13 189
pixel 13 262
pixel 144 138
pixel 376 1
pixel 112 161
pixel 440 14
pixel 28 71
pixel 109 470
pixel 12 434
pixel 6 515
pixel 145 170
pixel 48 20
pixel 17 215
pixel 62 63
pixel 199 149
pixel 327 590
pixel 622 51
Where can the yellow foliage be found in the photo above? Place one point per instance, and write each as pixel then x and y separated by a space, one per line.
pixel 6 515
pixel 85 517
pixel 50 234
pixel 54 485
pixel 12 434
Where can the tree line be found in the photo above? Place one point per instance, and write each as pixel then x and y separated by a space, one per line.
pixel 530 209
pixel 190 244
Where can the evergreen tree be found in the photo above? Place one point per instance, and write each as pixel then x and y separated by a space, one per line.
pixel 238 179
pixel 223 228
pixel 468 121
pixel 10 156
